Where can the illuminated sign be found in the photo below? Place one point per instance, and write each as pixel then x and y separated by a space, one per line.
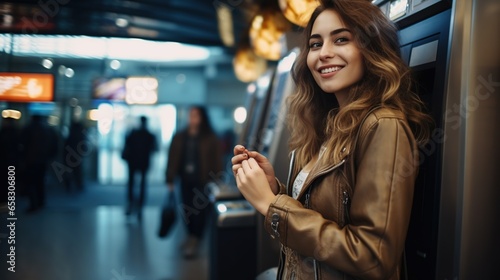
pixel 141 90
pixel 26 87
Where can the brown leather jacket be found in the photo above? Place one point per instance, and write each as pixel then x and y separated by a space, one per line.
pixel 210 157
pixel 351 233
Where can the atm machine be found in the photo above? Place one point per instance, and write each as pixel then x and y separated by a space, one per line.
pixel 273 143
pixel 233 246
pixel 424 39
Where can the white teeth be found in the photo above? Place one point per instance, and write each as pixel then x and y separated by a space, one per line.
pixel 331 69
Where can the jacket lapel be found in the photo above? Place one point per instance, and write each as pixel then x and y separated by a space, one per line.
pixel 316 172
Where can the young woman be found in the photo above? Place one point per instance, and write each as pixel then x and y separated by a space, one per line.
pixel 356 127
pixel 194 157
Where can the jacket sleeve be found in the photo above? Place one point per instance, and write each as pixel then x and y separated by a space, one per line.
pixel 173 159
pixel 217 155
pixel 370 247
pixel 281 186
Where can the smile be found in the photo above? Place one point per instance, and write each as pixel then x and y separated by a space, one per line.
pixel 330 69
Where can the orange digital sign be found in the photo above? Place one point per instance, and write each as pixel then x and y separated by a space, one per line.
pixel 26 87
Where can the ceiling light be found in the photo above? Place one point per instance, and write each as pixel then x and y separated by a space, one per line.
pixel 61 70
pixel 247 65
pixel 240 114
pixel 47 63
pixel 298 11
pixel 267 33
pixel 69 72
pixel 225 24
pixel 115 64
pixel 103 48
pixel 121 22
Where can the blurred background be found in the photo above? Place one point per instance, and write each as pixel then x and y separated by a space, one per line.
pixel 101 64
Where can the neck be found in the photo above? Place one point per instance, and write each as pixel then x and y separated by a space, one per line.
pixel 341 98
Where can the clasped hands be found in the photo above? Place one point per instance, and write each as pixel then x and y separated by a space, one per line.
pixel 255 178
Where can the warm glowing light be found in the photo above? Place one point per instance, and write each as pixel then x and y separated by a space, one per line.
pixel 247 65
pixel 13 114
pixel 298 11
pixel 225 24
pixel 267 32
pixel 28 87
pixel 93 115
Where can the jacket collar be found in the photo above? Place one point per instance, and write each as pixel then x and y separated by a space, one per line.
pixel 317 171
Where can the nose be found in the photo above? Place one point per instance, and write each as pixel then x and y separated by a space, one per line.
pixel 326 52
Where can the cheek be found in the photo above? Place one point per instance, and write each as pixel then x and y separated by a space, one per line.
pixel 310 62
pixel 360 65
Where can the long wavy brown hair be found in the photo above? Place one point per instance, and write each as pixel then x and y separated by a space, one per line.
pixel 314 115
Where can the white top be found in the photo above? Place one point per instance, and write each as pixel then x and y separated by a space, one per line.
pixel 299 183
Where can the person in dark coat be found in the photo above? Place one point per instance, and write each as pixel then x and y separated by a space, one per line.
pixel 39 144
pixel 9 155
pixel 140 144
pixel 72 145
pixel 195 157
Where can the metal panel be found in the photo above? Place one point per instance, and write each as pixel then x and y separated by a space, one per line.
pixel 424 53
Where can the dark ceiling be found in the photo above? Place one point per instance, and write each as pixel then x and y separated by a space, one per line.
pixel 184 21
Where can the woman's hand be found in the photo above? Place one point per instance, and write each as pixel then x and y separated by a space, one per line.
pixel 253 184
pixel 241 153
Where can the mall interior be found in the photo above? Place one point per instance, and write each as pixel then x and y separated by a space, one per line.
pixel 103 64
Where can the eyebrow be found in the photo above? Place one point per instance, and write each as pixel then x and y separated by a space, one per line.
pixel 333 32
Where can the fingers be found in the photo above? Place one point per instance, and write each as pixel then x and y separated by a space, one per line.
pixel 245 165
pixel 252 163
pixel 244 161
pixel 250 167
pixel 239 158
pixel 237 177
pixel 257 156
pixel 238 149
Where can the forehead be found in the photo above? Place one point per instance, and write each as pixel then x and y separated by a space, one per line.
pixel 194 111
pixel 327 21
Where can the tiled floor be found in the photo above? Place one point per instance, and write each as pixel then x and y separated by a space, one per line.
pixel 86 236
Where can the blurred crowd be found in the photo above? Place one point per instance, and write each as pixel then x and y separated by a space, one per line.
pixel 31 148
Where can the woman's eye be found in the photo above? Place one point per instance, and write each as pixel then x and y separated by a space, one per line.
pixel 314 45
pixel 341 40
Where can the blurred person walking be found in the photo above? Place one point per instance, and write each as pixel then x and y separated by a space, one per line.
pixel 72 146
pixel 9 152
pixel 140 144
pixel 39 143
pixel 195 157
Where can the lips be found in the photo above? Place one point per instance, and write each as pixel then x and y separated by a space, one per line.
pixel 329 69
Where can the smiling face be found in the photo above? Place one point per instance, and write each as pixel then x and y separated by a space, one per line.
pixel 334 58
